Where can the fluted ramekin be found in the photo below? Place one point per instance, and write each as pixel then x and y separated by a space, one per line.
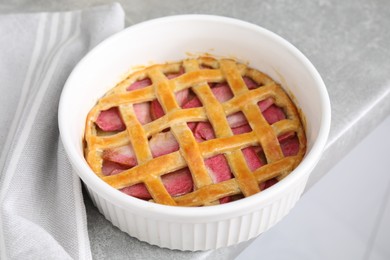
pixel 171 39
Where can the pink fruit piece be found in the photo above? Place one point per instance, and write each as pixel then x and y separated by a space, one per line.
pixel 140 84
pixel 112 168
pixel 123 155
pixel 192 125
pixel 265 104
pixel 250 83
pixel 218 168
pixel 156 110
pixel 138 190
pixel 110 120
pixel 252 158
pixel 142 112
pixel 179 182
pixel 204 131
pixel 182 96
pixel 267 184
pixel 193 102
pixel 222 92
pixel 274 114
pixel 242 129
pixel 290 145
pixel 224 200
pixel 285 136
pixel 163 143
pixel 236 120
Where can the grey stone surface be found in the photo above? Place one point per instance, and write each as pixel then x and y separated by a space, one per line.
pixel 348 42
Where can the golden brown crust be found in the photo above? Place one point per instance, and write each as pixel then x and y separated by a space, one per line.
pixel 191 154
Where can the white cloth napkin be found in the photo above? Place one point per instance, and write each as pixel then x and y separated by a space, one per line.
pixel 42 215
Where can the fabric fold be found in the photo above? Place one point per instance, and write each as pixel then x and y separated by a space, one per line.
pixel 42 215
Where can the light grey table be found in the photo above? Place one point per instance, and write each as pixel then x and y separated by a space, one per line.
pixel 348 42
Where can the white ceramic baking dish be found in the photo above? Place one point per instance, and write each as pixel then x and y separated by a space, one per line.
pixel 171 39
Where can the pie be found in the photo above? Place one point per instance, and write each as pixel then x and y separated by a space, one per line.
pixel 198 132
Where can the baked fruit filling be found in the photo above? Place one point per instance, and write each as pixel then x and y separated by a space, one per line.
pixel 194 133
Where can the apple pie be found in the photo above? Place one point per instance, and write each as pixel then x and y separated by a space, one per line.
pixel 197 132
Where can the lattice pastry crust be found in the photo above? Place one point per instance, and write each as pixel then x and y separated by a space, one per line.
pixel 197 76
